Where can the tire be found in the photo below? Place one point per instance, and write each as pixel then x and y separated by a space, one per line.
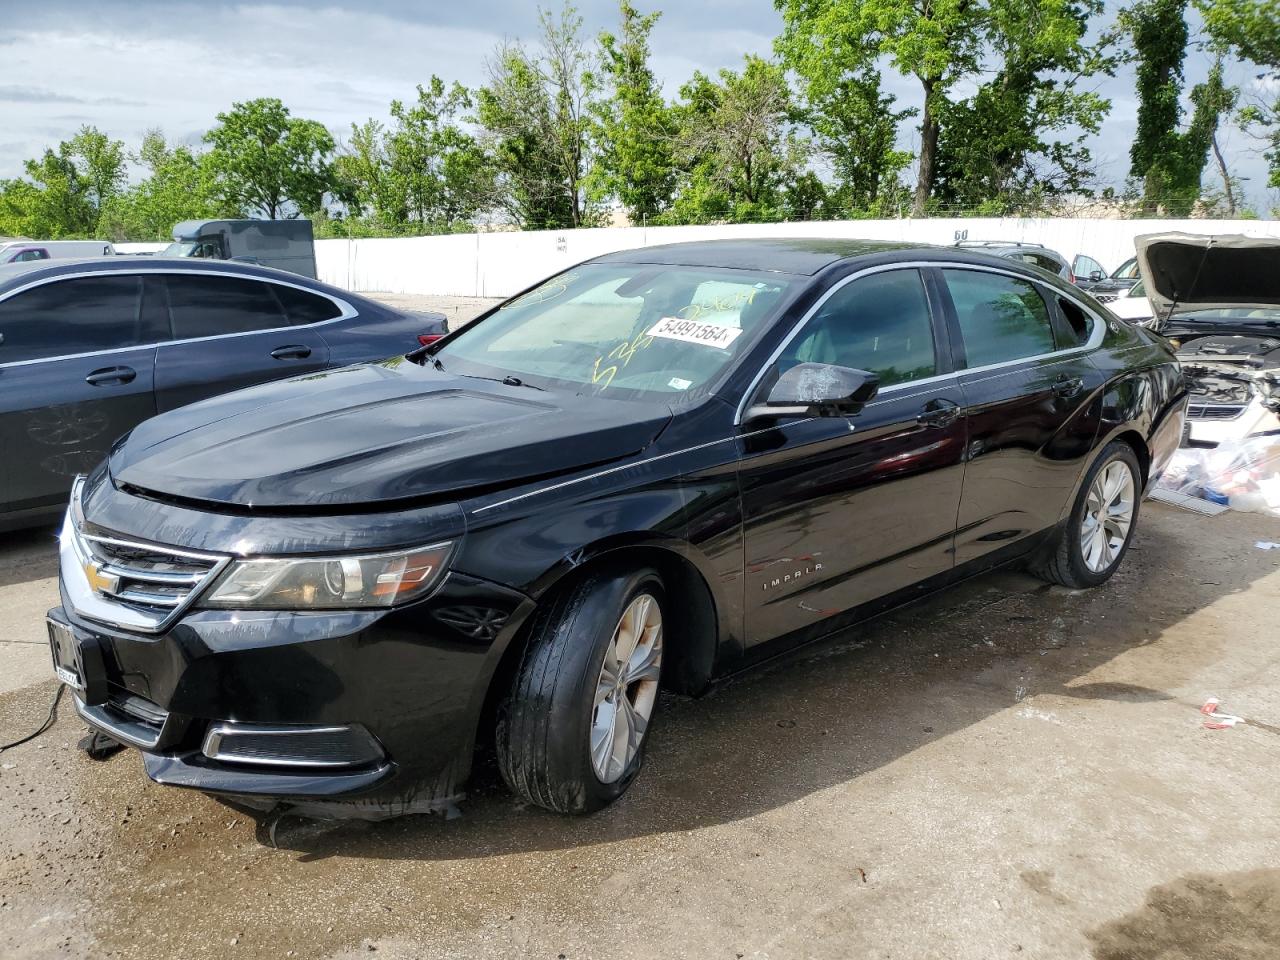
pixel 557 747
pixel 1076 559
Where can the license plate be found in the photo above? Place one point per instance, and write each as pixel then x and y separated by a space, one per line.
pixel 68 665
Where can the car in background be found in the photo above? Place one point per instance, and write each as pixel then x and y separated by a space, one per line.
pixel 1106 288
pixel 1035 254
pixel 61 249
pixel 23 254
pixel 1217 300
pixel 1131 305
pixel 656 468
pixel 91 348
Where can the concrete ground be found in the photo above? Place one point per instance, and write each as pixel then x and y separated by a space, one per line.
pixel 1007 769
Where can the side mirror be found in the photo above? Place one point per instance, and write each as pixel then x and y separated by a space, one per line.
pixel 1095 275
pixel 817 390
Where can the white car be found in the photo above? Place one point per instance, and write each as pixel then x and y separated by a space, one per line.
pixel 63 249
pixel 1133 305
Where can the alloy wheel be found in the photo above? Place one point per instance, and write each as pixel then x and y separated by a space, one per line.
pixel 627 689
pixel 1108 515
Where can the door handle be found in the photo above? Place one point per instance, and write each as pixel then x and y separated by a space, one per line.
pixel 1066 386
pixel 939 413
pixel 109 375
pixel 294 351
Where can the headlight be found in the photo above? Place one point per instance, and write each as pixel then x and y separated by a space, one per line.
pixel 329 583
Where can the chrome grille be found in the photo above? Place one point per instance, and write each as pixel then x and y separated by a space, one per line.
pixel 1214 411
pixel 145 575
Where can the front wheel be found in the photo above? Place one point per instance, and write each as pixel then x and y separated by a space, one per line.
pixel 1089 548
pixel 572 733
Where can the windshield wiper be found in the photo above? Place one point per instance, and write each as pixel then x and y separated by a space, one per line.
pixel 508 380
pixel 1225 322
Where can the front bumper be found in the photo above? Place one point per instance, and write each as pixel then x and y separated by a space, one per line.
pixel 373 710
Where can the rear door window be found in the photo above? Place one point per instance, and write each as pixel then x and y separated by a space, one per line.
pixel 213 306
pixel 880 323
pixel 79 315
pixel 1001 318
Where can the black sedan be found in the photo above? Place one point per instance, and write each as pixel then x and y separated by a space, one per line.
pixel 91 348
pixel 651 470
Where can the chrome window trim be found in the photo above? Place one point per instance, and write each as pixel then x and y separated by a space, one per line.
pixel 348 312
pixel 1095 335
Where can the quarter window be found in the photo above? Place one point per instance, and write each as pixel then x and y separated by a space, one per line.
pixel 81 315
pixel 304 308
pixel 215 305
pixel 880 323
pixel 1079 325
pixel 1001 318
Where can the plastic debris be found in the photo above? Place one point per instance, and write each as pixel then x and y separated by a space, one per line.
pixel 1238 474
pixel 1267 545
pixel 1215 719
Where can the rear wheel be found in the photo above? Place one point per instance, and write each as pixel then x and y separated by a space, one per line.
pixel 571 735
pixel 1089 548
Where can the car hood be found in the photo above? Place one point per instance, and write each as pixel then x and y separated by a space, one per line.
pixel 367 436
pixel 1184 272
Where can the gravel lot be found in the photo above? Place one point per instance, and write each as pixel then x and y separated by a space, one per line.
pixel 1007 769
pixel 459 310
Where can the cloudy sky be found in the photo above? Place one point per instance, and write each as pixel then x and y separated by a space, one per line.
pixel 174 64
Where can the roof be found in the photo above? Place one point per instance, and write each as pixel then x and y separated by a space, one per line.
pixel 798 255
pixel 16 274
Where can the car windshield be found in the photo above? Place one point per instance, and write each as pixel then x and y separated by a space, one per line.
pixel 629 331
pixel 178 249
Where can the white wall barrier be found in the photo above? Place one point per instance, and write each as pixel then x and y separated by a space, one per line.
pixel 500 264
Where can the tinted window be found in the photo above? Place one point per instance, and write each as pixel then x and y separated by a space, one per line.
pixel 1127 270
pixel 1079 324
pixel 26 256
pixel 1001 318
pixel 1041 260
pixel 73 316
pixel 303 308
pixel 878 323
pixel 214 305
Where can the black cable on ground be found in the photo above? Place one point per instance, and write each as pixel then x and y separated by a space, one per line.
pixel 48 722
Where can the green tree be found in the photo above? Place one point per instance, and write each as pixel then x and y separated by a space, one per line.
pixel 1020 140
pixel 535 113
pixel 939 42
pixel 637 129
pixel 1167 160
pixel 737 146
pixel 436 170
pixel 270 162
pixel 178 185
pixel 65 190
pixel 1251 28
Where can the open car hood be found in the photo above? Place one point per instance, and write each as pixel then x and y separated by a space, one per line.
pixel 1185 272
pixel 364 437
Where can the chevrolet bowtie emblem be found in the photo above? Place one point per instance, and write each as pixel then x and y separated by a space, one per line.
pixel 100 582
